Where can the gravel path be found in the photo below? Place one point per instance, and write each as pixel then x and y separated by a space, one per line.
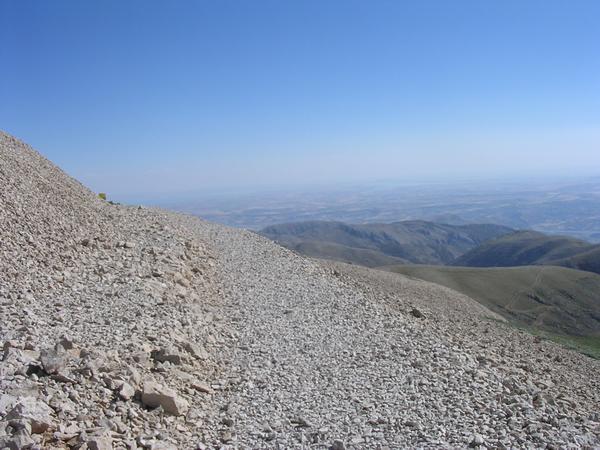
pixel 323 358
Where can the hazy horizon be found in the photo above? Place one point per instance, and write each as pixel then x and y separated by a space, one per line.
pixel 159 99
pixel 331 187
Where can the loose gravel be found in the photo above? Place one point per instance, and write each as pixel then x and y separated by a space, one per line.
pixel 336 355
pixel 129 328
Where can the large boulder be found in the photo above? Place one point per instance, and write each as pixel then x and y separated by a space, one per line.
pixel 38 414
pixel 20 440
pixel 155 395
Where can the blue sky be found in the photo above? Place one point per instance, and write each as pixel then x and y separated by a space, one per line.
pixel 148 97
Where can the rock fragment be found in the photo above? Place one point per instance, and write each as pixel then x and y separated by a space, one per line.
pixel 338 445
pixel 37 413
pixel 102 442
pixel 126 391
pixel 202 387
pixel 167 354
pixel 19 440
pixel 155 395
pixel 196 350
pixel 53 360
pixel 476 441
pixel 417 313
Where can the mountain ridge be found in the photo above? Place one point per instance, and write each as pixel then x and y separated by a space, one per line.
pixel 533 248
pixel 413 241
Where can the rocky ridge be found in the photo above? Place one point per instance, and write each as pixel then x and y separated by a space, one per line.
pixel 107 313
pixel 135 328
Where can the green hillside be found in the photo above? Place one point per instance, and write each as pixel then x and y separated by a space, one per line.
pixel 588 260
pixel 523 248
pixel 343 253
pixel 555 299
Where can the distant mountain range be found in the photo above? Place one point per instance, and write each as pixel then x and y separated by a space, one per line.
pixel 373 245
pixel 421 242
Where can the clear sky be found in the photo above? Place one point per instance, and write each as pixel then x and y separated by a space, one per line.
pixel 160 97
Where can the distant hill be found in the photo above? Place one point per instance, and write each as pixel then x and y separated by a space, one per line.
pixel 375 245
pixel 337 252
pixel 532 248
pixel 554 299
pixel 588 260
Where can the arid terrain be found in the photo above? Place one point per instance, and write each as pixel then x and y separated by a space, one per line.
pixel 563 206
pixel 132 328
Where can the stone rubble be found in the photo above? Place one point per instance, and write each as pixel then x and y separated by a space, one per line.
pixel 95 299
pixel 331 355
pixel 135 328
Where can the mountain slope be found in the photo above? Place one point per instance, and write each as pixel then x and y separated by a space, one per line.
pixel 362 256
pixel 551 298
pixel 413 241
pixel 320 337
pixel 134 328
pixel 94 298
pixel 531 248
